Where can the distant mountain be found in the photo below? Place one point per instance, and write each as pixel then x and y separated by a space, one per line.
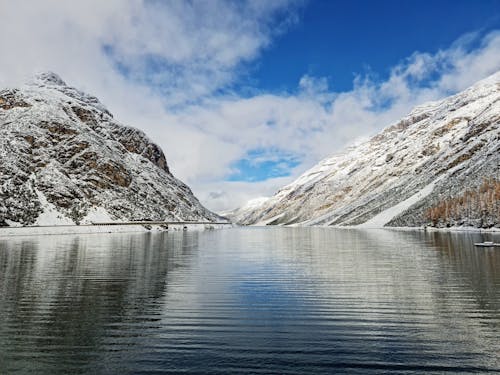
pixel 64 160
pixel 439 166
pixel 239 214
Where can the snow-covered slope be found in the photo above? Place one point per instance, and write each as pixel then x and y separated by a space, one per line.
pixel 64 159
pixel 239 214
pixel 440 150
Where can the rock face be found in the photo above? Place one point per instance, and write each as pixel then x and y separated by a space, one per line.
pixel 64 160
pixel 440 152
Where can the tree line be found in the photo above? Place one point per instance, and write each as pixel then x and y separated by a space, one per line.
pixel 478 207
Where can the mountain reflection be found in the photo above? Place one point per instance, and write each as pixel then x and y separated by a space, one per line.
pixel 68 294
pixel 272 300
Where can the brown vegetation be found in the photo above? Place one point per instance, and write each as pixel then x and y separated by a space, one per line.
pixel 479 207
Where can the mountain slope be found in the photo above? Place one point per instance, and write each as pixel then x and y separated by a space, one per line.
pixel 439 151
pixel 64 160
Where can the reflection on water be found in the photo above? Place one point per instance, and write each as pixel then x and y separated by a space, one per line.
pixel 255 300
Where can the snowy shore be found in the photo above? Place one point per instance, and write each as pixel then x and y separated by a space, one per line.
pixel 434 229
pixel 374 227
pixel 90 229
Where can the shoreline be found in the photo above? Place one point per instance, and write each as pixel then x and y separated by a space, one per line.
pixel 448 229
pixel 108 228
pixel 420 229
pixel 157 227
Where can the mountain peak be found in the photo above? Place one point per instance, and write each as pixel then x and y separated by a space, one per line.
pixel 64 159
pixel 50 78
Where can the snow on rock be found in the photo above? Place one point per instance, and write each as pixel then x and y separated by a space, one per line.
pixel 383 218
pixel 439 150
pixel 50 215
pixel 98 215
pixel 64 159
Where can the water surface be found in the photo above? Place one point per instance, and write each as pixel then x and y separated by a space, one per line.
pixel 250 300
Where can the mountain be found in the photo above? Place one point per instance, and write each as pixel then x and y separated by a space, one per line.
pixel 439 165
pixel 65 160
pixel 239 214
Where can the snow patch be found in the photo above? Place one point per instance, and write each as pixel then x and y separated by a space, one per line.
pixel 270 220
pixel 380 220
pixel 97 229
pixel 11 223
pixel 50 215
pixel 98 215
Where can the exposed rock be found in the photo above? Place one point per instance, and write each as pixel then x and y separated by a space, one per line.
pixel 11 99
pixel 63 156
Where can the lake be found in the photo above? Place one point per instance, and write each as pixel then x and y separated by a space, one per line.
pixel 250 300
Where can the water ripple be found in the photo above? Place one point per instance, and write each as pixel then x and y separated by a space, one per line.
pixel 250 300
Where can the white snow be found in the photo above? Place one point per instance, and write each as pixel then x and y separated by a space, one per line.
pixel 250 206
pixel 378 221
pixel 94 229
pixel 97 215
pixel 460 131
pixel 267 221
pixel 50 215
pixel 11 223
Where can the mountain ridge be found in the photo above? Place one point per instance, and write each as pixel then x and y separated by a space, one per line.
pixel 66 160
pixel 439 150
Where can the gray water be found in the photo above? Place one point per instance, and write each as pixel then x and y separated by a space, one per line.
pixel 250 300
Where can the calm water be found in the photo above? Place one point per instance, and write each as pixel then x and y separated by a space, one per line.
pixel 251 300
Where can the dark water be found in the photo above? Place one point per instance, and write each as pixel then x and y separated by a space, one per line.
pixel 277 300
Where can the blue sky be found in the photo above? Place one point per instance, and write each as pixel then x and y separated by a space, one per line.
pixel 338 39
pixel 245 95
pixel 262 164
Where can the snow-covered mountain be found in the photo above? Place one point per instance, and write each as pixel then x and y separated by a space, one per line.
pixel 437 156
pixel 65 160
pixel 239 214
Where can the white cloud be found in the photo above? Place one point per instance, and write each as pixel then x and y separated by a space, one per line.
pixel 186 49
pixel 316 123
pixel 177 55
pixel 232 194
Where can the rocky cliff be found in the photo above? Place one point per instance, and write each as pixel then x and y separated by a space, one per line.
pixel 64 160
